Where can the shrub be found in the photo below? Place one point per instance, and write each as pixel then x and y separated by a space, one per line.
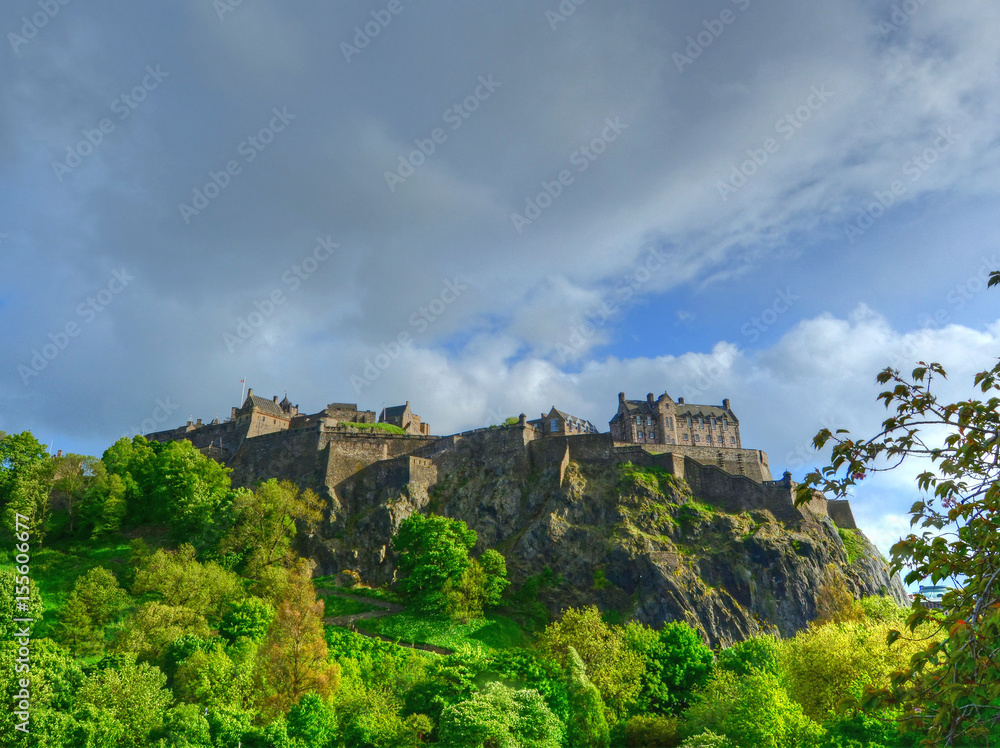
pixel 587 726
pixel 760 653
pixel 652 732
pixel 753 710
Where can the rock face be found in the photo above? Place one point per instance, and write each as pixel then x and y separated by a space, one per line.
pixel 629 538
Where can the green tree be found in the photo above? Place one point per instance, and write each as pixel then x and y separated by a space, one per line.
pixel 952 688
pixel 651 731
pixel 28 499
pixel 152 627
pixel 614 667
pixel 17 453
pixel 433 552
pixel 209 678
pixel 825 664
pixel 677 661
pixel 502 717
pixel 105 505
pixel 495 583
pixel 55 679
pixel 759 653
pixel 76 629
pixel 193 492
pixel 248 618
pixel 72 478
pixel 265 522
pixel 173 484
pixel 185 726
pixel 134 696
pixel 181 580
pixel 311 722
pixel 100 592
pixel 752 709
pixel 481 585
pixel 587 726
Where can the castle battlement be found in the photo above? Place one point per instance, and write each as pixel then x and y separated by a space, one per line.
pixel 324 451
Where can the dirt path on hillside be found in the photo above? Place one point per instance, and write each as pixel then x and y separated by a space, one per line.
pixel 384 609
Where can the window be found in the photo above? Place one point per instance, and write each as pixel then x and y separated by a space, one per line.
pixel 640 436
pixel 732 440
pixel 701 422
pixel 690 423
pixel 649 420
pixel 713 422
pixel 652 434
pixel 725 425
pixel 697 438
pixel 553 425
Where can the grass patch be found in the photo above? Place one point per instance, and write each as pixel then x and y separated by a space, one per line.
pixel 328 583
pixel 653 479
pixel 56 566
pixel 341 606
pixel 386 427
pixel 852 544
pixel 492 632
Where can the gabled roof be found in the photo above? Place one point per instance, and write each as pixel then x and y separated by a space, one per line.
pixel 642 408
pixel 268 407
pixel 396 411
pixel 707 411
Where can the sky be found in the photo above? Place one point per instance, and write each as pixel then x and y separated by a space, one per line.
pixel 494 209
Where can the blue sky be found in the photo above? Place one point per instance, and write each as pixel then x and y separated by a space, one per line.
pixel 175 175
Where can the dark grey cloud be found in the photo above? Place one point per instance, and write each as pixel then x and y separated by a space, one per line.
pixel 271 185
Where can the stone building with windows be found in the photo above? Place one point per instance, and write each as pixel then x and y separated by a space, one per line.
pixel 663 421
pixel 406 419
pixel 557 423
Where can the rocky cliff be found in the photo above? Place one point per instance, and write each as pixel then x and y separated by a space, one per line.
pixel 633 539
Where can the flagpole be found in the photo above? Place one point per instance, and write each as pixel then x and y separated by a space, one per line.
pixel 243 386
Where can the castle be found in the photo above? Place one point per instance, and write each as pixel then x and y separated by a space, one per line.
pixel 340 444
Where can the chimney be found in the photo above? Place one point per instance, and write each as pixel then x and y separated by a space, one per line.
pixel 649 399
pixel 680 401
pixel 621 397
pixel 275 398
pixel 249 392
pixel 198 423
pixel 725 403
pixel 59 453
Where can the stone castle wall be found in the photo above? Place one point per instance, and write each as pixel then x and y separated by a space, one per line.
pixel 749 462
pixel 324 457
